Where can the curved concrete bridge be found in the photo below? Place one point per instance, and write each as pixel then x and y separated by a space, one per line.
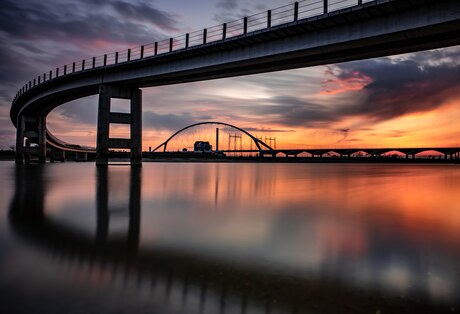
pixel 302 34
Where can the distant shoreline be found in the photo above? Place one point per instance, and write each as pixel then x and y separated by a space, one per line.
pixel 207 159
pixel 308 160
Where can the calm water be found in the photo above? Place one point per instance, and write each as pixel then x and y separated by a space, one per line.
pixel 229 238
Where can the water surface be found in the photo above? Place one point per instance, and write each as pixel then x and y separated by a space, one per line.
pixel 230 238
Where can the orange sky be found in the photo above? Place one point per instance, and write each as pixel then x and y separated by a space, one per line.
pixel 328 106
pixel 405 100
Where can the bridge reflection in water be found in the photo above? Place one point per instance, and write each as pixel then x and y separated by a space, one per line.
pixel 183 281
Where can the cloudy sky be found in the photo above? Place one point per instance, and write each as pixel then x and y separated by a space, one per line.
pixel 406 100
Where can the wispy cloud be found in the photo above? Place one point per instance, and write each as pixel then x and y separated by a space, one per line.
pixel 227 4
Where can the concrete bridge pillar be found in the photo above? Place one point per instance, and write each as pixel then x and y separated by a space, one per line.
pixel 81 156
pixel 30 129
pixel 57 154
pixel 42 139
pixel 19 158
pixel 27 149
pixel 105 117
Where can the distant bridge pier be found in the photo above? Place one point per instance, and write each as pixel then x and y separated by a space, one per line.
pixel 27 150
pixel 57 155
pixel 19 158
pixel 81 156
pixel 409 155
pixel 42 139
pixel 105 117
pixel 268 153
pixel 30 129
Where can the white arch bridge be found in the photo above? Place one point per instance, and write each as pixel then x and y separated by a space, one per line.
pixel 305 33
pixel 262 149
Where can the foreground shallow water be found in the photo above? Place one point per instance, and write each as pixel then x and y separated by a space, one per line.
pixel 229 238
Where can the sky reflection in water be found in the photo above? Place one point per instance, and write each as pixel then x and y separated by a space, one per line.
pixel 387 230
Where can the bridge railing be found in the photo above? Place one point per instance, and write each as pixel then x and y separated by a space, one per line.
pixel 265 20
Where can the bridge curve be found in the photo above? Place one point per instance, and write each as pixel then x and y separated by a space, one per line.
pixel 62 145
pixel 328 35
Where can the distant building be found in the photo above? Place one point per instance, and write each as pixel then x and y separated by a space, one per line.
pixel 201 146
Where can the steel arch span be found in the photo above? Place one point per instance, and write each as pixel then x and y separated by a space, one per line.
pixel 258 142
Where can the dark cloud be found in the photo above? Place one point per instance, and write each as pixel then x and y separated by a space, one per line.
pixel 397 134
pixel 91 26
pixel 294 112
pixel 7 132
pixel 81 111
pixel 146 13
pixel 231 10
pixel 14 72
pixel 170 122
pixel 421 82
pixel 344 133
pixel 267 130
pixel 228 5
pixel 112 20
pixel 401 88
pixel 39 35
pixel 260 7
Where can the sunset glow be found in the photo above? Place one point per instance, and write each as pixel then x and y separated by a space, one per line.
pixel 406 100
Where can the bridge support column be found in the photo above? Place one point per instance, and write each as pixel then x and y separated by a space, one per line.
pixel 136 127
pixel 30 129
pixel 81 156
pixel 105 117
pixel 42 139
pixel 102 145
pixel 20 127
pixel 57 155
pixel 27 150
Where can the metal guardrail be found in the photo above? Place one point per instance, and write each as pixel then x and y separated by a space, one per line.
pixel 260 21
